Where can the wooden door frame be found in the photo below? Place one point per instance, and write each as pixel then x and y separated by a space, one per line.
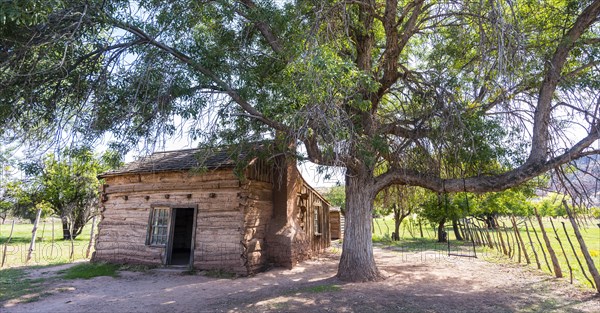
pixel 171 230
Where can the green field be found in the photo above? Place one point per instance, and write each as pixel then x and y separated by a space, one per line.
pixel 410 240
pixel 47 250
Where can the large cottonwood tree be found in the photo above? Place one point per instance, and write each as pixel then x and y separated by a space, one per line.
pixel 359 83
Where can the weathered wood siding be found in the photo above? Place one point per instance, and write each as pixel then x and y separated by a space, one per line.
pixel 335 225
pixel 258 208
pixel 236 230
pixel 221 203
pixel 316 228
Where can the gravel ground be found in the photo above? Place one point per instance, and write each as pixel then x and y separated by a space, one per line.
pixel 416 282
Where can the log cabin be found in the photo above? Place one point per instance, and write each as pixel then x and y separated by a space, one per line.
pixel 191 209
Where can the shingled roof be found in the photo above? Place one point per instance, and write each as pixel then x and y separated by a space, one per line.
pixel 180 160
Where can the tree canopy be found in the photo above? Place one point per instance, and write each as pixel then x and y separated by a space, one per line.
pixel 453 96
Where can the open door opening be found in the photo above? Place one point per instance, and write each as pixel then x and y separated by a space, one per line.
pixel 181 245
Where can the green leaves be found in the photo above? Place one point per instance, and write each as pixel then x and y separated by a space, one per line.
pixel 26 12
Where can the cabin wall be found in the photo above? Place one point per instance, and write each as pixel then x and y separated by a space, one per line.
pixel 292 233
pixel 258 209
pixel 240 225
pixel 336 227
pixel 287 243
pixel 221 206
pixel 314 216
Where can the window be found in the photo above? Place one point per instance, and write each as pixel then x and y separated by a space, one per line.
pixel 159 225
pixel 317 220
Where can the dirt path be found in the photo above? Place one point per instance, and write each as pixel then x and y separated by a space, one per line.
pixel 417 282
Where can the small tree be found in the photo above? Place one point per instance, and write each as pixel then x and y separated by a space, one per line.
pixel 67 184
pixel 22 195
pixel 6 165
pixel 336 196
pixel 401 201
pixel 71 187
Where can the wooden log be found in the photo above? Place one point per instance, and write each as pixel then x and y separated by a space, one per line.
pixel 208 204
pixel 520 242
pixel 499 233
pixel 511 241
pixel 217 237
pixel 488 239
pixel 157 187
pixel 563 251
pixel 124 224
pixel 128 246
pixel 517 242
pixel 576 256
pixel 555 264
pixel 584 250
pixel 480 238
pixel 33 235
pixel 492 239
pixel 537 259
pixel 541 245
pixel 187 177
pixel 12 228
pixel 480 235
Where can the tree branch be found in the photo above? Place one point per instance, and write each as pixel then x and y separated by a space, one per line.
pixel 206 72
pixel 491 182
pixel 553 70
pixel 263 27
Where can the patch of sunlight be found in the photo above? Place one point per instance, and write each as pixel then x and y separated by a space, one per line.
pixel 281 299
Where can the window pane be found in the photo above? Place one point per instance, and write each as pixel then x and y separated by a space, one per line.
pixel 159 226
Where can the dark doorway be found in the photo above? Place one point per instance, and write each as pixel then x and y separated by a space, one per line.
pixel 183 226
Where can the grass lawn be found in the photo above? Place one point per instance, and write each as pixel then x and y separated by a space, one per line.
pixel 411 240
pixel 13 283
pixel 47 250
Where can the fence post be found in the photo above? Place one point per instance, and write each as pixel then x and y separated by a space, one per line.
pixel 33 234
pixel 563 251
pixel 584 250
pixel 541 245
pixel 6 243
pixel 499 233
pixel 537 260
pixel 557 270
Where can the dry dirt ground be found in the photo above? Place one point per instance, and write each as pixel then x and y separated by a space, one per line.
pixel 416 282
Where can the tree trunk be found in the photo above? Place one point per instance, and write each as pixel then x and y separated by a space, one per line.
pixel 456 230
pixel 490 221
pixel 357 263
pixel 66 229
pixel 397 222
pixel 442 236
